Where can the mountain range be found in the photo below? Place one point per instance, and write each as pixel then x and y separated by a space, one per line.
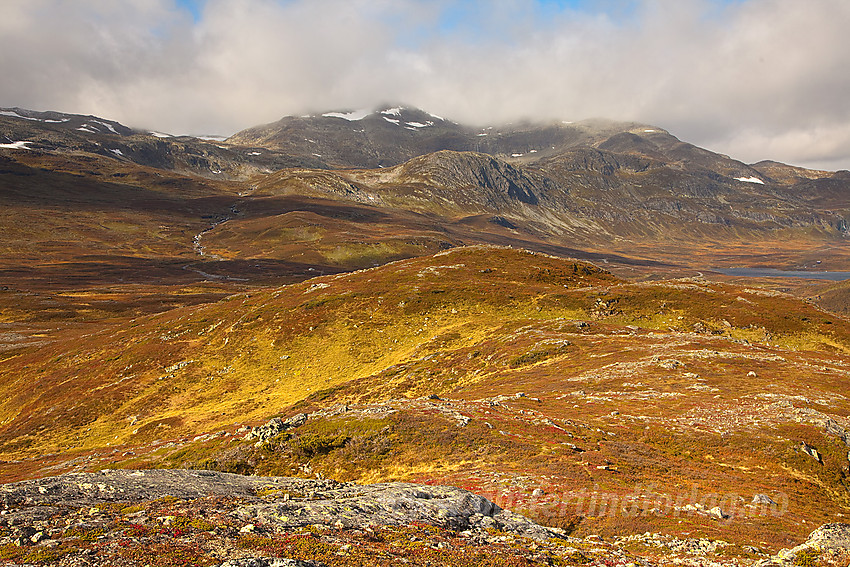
pixel 594 183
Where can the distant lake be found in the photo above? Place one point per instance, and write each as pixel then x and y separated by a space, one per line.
pixel 773 273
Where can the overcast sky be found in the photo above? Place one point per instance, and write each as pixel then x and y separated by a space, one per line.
pixel 755 79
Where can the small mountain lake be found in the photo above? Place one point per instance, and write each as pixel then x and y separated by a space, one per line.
pixel 774 273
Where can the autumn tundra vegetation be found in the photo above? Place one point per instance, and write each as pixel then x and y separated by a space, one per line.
pixel 237 351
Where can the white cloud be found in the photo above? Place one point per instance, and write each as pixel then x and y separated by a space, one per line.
pixel 755 79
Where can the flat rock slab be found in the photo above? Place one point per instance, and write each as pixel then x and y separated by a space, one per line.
pixel 270 562
pixel 280 502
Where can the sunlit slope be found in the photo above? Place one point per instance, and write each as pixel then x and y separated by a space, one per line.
pixel 251 355
pixel 835 297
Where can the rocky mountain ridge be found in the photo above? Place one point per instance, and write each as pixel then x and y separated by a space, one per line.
pixel 611 179
pixel 75 135
pixel 389 136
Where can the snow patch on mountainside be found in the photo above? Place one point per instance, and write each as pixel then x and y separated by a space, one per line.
pixel 16 115
pixel 16 146
pixel 750 180
pixel 107 125
pixel 351 116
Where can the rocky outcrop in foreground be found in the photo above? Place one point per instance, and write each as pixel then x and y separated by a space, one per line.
pixel 278 502
pixel 829 543
pixel 212 518
pixel 188 517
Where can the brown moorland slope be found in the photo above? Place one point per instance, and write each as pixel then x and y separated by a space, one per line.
pixel 494 369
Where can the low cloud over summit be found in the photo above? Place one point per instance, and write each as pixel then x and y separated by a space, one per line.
pixel 754 79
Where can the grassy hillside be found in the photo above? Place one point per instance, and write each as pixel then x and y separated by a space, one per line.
pixel 491 368
pixel 251 354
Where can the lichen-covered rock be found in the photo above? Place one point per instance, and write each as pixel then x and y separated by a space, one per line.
pixel 270 562
pixel 275 426
pixel 810 451
pixel 763 499
pixel 280 502
pixel 829 539
pixel 833 536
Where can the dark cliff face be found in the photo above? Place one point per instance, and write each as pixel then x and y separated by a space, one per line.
pixel 483 178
